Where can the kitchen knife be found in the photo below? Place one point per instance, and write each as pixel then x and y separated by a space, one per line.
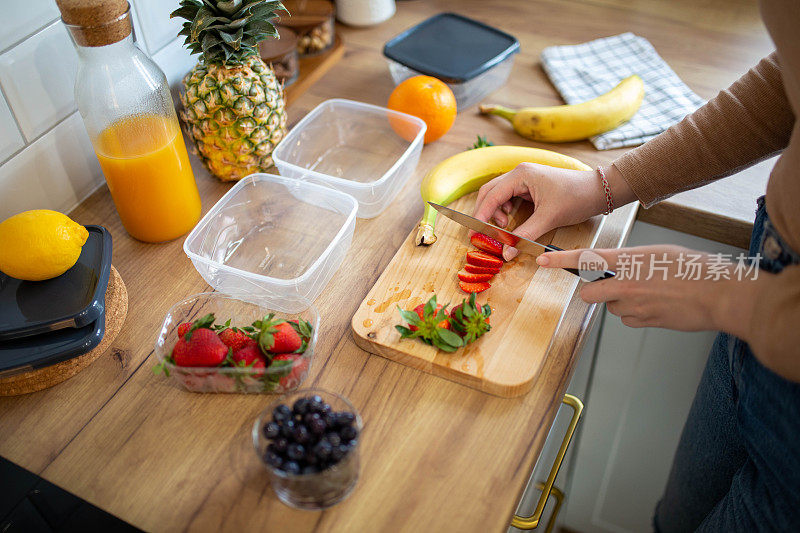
pixel 521 244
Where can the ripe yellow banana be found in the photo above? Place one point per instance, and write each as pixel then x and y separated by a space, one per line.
pixel 564 123
pixel 464 173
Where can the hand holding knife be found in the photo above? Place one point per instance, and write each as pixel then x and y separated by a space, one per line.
pixel 520 243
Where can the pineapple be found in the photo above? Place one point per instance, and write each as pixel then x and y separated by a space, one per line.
pixel 233 105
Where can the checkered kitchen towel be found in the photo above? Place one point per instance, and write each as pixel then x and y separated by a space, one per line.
pixel 583 71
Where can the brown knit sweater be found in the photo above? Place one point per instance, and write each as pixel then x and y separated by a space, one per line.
pixel 751 120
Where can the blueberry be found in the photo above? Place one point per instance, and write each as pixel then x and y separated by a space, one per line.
pixel 273 459
pixel 300 406
pixel 280 445
pixel 326 408
pixel 317 399
pixel 311 416
pixel 339 451
pixel 330 419
pixel 345 418
pixel 310 457
pixel 323 450
pixel 281 413
pixel 271 430
pixel 301 434
pixel 291 467
pixel 310 469
pixel 296 451
pixel 317 426
pixel 333 438
pixel 287 429
pixel 348 433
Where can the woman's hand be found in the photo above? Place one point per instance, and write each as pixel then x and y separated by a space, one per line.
pixel 667 287
pixel 561 197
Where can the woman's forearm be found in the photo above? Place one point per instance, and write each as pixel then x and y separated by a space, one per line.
pixel 744 124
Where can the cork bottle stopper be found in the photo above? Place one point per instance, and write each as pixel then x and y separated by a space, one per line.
pixel 96 22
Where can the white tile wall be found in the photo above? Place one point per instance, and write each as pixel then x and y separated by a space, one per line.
pixel 10 137
pixel 21 19
pixel 157 28
pixel 56 171
pixel 38 78
pixel 46 159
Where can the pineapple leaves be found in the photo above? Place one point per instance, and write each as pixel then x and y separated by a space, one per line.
pixel 229 7
pixel 227 31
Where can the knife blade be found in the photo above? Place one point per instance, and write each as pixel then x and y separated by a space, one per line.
pixel 520 243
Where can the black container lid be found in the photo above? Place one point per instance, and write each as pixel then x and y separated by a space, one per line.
pixel 74 299
pixel 28 353
pixel 451 47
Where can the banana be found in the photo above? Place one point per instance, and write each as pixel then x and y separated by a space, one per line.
pixel 564 123
pixel 464 173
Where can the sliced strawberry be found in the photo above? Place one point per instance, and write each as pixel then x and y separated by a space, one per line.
pixel 482 259
pixel 474 278
pixel 473 287
pixel 420 310
pixel 296 369
pixel 473 269
pixel 487 244
pixel 470 320
pixel 235 339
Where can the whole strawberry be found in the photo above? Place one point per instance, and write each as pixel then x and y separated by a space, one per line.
pixel 250 356
pixel 298 365
pixel 278 336
pixel 234 338
pixel 202 348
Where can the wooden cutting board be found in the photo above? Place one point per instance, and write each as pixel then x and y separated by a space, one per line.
pixel 527 304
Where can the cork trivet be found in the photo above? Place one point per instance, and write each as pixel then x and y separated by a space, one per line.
pixel 96 22
pixel 42 378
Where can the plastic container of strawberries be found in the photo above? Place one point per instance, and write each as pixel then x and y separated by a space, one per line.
pixel 274 378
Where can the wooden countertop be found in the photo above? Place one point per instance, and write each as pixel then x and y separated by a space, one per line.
pixel 436 456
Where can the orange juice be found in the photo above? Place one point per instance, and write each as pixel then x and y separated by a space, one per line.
pixel 147 170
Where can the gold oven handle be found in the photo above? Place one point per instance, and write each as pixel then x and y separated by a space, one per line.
pixel 531 522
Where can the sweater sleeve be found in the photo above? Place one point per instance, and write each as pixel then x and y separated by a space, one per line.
pixel 744 124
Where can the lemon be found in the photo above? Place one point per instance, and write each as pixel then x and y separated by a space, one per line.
pixel 40 244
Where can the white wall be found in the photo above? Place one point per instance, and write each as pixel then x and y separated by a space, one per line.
pixel 46 159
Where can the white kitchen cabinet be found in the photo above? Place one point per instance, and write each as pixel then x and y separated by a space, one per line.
pixel 641 389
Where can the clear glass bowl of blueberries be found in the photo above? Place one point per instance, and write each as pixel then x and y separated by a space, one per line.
pixel 309 442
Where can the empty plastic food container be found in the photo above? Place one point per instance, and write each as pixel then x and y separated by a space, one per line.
pixel 472 58
pixel 273 241
pixel 363 150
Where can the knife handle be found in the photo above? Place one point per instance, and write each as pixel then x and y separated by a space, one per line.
pixel 605 275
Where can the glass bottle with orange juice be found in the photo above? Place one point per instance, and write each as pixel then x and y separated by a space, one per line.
pixel 127 108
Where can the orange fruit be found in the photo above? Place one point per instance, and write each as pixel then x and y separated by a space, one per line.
pixel 427 98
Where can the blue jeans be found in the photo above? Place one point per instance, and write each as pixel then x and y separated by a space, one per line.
pixel 737 466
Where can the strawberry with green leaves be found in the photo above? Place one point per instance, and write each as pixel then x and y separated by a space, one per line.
pixel 294 368
pixel 470 320
pixel 428 327
pixel 281 336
